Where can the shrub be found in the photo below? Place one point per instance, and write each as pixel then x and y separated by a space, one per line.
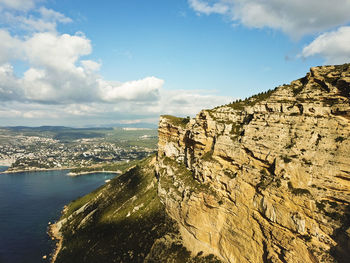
pixel 340 139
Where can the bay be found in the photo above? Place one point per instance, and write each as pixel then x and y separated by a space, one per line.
pixel 28 201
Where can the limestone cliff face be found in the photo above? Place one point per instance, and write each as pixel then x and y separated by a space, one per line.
pixel 266 179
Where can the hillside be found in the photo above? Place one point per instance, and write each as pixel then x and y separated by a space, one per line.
pixel 266 179
pixel 123 221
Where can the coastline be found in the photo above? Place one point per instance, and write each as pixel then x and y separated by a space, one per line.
pixel 36 170
pixel 93 172
pixel 59 169
pixel 55 234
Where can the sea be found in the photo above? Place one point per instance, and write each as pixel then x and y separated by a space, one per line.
pixel 28 202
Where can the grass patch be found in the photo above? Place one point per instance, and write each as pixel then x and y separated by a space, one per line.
pixel 177 121
pixel 117 166
pixel 128 218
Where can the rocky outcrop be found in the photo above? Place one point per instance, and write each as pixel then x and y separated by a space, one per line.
pixel 266 179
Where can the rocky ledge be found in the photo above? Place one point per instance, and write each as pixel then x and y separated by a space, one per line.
pixel 266 179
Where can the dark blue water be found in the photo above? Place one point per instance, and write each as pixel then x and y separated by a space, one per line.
pixel 28 201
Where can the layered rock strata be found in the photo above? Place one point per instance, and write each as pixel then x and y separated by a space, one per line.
pixel 266 179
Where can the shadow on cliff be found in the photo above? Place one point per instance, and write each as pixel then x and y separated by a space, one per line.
pixel 341 252
pixel 129 240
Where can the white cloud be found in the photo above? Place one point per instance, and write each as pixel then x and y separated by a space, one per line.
pixel 333 46
pixel 58 75
pixel 61 82
pixel 59 52
pixel 296 18
pixel 33 20
pixel 205 8
pixel 22 5
pixel 9 47
pixel 90 65
pixel 9 85
pixel 51 15
pixel 146 89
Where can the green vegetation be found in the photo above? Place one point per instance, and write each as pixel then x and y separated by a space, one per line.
pixel 133 137
pixel 340 139
pixel 116 166
pixel 123 221
pixel 236 129
pixel 251 101
pixel 184 177
pixel 177 121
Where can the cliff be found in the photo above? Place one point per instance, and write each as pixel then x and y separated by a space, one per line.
pixel 271 174
pixel 266 179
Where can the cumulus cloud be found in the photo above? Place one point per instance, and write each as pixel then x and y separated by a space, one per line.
pixel 146 89
pixel 9 86
pixel 205 8
pixel 90 65
pixel 61 81
pixel 58 74
pixel 22 5
pixel 25 16
pixel 333 46
pixel 51 15
pixel 296 18
pixel 58 52
pixel 64 84
pixel 9 47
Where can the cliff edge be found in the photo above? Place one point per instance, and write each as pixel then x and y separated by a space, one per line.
pixel 269 176
pixel 266 179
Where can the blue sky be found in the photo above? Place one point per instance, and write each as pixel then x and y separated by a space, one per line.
pixel 83 63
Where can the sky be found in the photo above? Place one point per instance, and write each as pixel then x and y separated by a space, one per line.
pixel 102 63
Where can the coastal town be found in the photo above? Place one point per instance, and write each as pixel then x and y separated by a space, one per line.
pixel 22 151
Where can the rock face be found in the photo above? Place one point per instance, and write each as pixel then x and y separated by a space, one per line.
pixel 266 179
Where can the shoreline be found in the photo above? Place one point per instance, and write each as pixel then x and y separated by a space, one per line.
pixel 93 172
pixel 37 170
pixel 56 235
pixel 60 169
